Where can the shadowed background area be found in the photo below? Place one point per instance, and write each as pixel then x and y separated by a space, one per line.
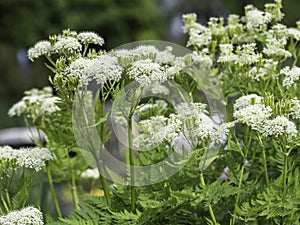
pixel 117 21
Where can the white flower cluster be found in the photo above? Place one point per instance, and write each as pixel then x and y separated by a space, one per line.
pixel 256 19
pixel 267 69
pixel 275 46
pixel 156 130
pixel 250 111
pixel 90 38
pixel 146 72
pixel 32 158
pixel 67 45
pixel 36 103
pixel 291 75
pixel 295 109
pixel 103 68
pixel 279 126
pixel 243 55
pixel 25 216
pixel 197 125
pixel 39 49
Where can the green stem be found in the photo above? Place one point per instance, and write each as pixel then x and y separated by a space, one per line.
pixel 55 201
pixel 74 191
pixel 285 169
pixel 211 212
pixel 232 222
pixel 4 203
pixel 265 165
pixel 131 163
pixel 104 184
pixel 8 198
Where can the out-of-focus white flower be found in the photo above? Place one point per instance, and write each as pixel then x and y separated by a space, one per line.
pixel 216 26
pixel 90 38
pixel 291 75
pixel 36 103
pixel 295 109
pixel 199 39
pixel 226 54
pixel 156 130
pixel 279 126
pixel 246 54
pixel 91 173
pixel 25 216
pixel 276 48
pixel 7 152
pixel 193 109
pixel 39 49
pixel 190 23
pixel 255 19
pixel 67 45
pixel 294 33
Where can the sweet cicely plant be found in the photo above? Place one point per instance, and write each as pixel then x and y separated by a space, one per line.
pixel 154 133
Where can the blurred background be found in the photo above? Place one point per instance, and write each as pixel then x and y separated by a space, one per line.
pixel 23 22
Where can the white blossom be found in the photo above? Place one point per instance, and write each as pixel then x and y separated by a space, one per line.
pixel 39 49
pixel 291 75
pixel 67 45
pixel 146 72
pixel 26 216
pixel 279 126
pixel 156 130
pixel 77 67
pixel 246 100
pixel 36 103
pixel 33 158
pixel 295 109
pixel 255 19
pixel 294 33
pixel 193 109
pixel 199 39
pixel 101 69
pixel 226 54
pixel 276 48
pixel 90 38
pixel 91 173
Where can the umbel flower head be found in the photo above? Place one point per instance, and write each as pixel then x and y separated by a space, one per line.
pixel 31 158
pixel 25 216
pixel 36 103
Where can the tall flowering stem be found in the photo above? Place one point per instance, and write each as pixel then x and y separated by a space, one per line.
pixel 131 162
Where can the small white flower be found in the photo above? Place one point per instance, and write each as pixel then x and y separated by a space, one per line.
pixel 193 109
pixel 278 127
pixel 90 38
pixel 190 22
pixel 246 54
pixel 25 216
pixel 39 49
pixel 77 67
pixel 7 152
pixel 199 39
pixel 291 75
pixel 276 48
pixel 67 45
pixel 91 173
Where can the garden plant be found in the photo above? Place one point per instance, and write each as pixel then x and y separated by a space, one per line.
pixel 156 133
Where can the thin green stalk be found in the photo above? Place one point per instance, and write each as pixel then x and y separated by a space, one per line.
pixel 4 203
pixel 55 201
pixel 211 212
pixel 104 184
pixel 74 191
pixel 8 198
pixel 265 165
pixel 131 162
pixel 232 222
pixel 285 169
